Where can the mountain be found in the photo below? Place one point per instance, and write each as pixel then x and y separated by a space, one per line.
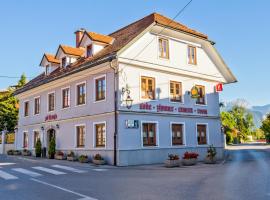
pixel 258 112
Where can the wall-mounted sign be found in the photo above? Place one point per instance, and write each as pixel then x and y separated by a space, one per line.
pixel 132 123
pixel 194 92
pixel 171 109
pixel 51 117
pixel 219 87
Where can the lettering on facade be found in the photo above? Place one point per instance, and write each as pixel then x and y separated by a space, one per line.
pixel 165 108
pixel 51 117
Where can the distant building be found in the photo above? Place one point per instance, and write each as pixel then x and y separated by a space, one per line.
pixel 146 90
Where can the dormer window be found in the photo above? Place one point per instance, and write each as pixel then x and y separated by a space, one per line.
pixel 47 72
pixel 64 62
pixel 89 50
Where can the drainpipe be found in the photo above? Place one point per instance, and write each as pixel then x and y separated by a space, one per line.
pixel 114 66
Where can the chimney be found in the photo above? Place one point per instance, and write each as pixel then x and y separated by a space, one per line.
pixel 79 34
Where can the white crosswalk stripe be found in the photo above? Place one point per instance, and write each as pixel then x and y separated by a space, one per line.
pixel 100 170
pixel 48 170
pixel 68 168
pixel 7 176
pixel 27 172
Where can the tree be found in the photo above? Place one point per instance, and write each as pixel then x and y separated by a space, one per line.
pixel 51 150
pixel 228 122
pixel 265 127
pixel 22 81
pixel 38 148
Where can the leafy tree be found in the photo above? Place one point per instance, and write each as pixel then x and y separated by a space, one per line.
pixel 22 81
pixel 265 127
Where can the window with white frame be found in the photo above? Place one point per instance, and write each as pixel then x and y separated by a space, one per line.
pixel 163 48
pixel 177 134
pixel 175 91
pixel 202 134
pixel 37 105
pixel 80 136
pixel 100 87
pixel 65 98
pixel 192 55
pixel 25 139
pixel 149 131
pixel 36 137
pixel 100 134
pixel 81 94
pixel 51 102
pixel 26 108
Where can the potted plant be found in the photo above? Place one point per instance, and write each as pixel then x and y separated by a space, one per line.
pixel 190 158
pixel 51 150
pixel 172 161
pixel 211 155
pixel 71 156
pixel 60 155
pixel 17 152
pixel 10 152
pixel 98 160
pixel 38 148
pixel 83 158
pixel 26 152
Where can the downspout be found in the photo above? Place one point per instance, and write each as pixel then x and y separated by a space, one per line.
pixel 114 66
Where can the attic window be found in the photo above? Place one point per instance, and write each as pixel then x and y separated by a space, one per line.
pixel 64 61
pixel 89 50
pixel 47 69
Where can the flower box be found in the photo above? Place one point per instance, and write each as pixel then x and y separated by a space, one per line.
pixel 60 157
pixel 16 152
pixel 10 152
pixel 83 159
pixel 209 160
pixel 172 163
pixel 72 158
pixel 189 162
pixel 98 160
pixel 26 152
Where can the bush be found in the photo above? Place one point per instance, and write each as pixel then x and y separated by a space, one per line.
pixel 98 157
pixel 173 157
pixel 51 150
pixel 38 148
pixel 83 158
pixel 190 155
pixel 10 152
pixel 71 154
pixel 211 152
pixel 229 138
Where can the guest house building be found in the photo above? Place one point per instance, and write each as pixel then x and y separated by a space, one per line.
pixel 146 90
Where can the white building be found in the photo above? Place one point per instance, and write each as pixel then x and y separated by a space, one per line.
pixel 84 96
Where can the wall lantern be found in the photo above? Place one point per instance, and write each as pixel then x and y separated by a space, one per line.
pixel 42 128
pixel 57 126
pixel 128 99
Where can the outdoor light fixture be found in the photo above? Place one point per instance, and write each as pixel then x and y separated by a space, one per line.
pixel 129 102
pixel 42 128
pixel 57 126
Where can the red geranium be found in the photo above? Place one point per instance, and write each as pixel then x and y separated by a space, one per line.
pixel 190 155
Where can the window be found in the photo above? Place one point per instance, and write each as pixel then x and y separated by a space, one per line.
pixel 36 136
pixel 25 140
pixel 47 69
pixel 201 99
pixel 163 48
pixel 89 50
pixel 192 55
pixel 100 133
pixel 147 87
pixel 80 136
pixel 64 62
pixel 175 91
pixel 51 101
pixel 177 134
pixel 26 108
pixel 149 134
pixel 81 94
pixel 37 106
pixel 65 98
pixel 201 134
pixel 100 88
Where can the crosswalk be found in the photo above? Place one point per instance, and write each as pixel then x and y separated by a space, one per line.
pixel 39 171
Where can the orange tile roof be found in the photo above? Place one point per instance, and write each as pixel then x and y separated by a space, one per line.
pixel 72 50
pixel 51 58
pixel 99 37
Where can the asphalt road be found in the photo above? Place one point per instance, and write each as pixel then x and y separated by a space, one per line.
pixel 245 175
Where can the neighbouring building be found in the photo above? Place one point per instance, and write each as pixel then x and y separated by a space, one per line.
pixel 146 90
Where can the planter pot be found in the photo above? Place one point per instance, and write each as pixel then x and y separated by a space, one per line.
pixel 189 162
pixel 83 160
pixel 26 153
pixel 10 153
pixel 38 155
pixel 172 163
pixel 209 160
pixel 71 158
pixel 16 153
pixel 99 162
pixel 51 156
pixel 59 157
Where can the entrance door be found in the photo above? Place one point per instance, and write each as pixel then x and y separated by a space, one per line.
pixel 50 135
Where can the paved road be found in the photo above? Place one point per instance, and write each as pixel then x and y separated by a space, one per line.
pixel 245 175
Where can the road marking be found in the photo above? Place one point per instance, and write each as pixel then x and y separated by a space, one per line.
pixel 5 164
pixel 84 197
pixel 7 176
pixel 69 168
pixel 27 172
pixel 51 171
pixel 100 170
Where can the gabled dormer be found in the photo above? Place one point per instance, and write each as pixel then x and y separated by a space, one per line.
pixel 67 55
pixel 49 62
pixel 92 42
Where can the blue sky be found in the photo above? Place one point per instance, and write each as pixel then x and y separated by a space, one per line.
pixel 240 29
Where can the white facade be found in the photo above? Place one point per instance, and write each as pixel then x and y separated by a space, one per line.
pixel 134 61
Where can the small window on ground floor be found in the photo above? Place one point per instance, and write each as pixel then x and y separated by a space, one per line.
pixel 80 136
pixel 36 136
pixel 25 140
pixel 177 134
pixel 100 134
pixel 149 134
pixel 202 134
